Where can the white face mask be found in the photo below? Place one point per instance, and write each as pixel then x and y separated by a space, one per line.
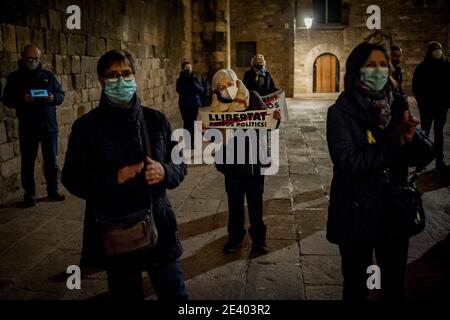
pixel 229 93
pixel 437 54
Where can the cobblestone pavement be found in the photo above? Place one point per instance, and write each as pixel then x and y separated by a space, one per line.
pixel 38 244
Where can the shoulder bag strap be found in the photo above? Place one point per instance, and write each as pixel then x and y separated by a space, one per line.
pixel 148 150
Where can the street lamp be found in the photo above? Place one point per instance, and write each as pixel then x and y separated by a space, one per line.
pixel 308 22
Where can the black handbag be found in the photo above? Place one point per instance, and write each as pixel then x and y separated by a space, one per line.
pixel 136 231
pixel 420 151
pixel 405 212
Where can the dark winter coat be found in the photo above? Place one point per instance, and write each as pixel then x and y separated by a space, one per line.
pixel 431 83
pixel 264 85
pixel 103 141
pixel 357 209
pixel 38 114
pixel 190 89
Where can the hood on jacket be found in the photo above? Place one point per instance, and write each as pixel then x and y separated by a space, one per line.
pixel 220 105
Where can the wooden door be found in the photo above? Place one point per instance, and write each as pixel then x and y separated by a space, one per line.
pixel 326 77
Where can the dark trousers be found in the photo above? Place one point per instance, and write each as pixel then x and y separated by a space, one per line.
pixel 391 258
pixel 238 187
pixel 167 281
pixel 189 115
pixel 29 145
pixel 439 117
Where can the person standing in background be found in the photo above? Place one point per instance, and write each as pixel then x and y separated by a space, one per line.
pixel 396 55
pixel 191 91
pixel 258 78
pixel 431 88
pixel 37 120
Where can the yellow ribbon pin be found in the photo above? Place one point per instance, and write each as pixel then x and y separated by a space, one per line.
pixel 370 137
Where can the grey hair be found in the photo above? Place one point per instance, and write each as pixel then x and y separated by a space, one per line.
pixel 258 56
pixel 219 75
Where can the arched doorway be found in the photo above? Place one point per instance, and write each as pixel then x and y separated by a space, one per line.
pixel 326 74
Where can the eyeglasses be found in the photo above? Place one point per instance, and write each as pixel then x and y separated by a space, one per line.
pixel 115 76
pixel 32 59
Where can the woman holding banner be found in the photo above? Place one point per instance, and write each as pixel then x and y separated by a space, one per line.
pixel 241 180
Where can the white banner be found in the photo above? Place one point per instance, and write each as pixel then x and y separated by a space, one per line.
pixel 257 119
pixel 277 101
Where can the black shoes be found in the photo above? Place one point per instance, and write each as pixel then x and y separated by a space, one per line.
pixel 260 248
pixel 56 197
pixel 232 247
pixel 28 201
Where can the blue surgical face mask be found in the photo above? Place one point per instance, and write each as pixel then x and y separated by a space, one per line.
pixel 121 91
pixel 375 78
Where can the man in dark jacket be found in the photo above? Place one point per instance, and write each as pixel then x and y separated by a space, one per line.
pixel 35 93
pixel 258 78
pixel 431 88
pixel 190 90
pixel 106 165
pixel 396 55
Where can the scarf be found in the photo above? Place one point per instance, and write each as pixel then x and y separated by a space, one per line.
pixel 376 105
pixel 221 105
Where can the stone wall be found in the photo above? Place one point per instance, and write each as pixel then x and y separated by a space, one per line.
pixel 210 36
pixel 411 27
pixel 271 25
pixel 157 32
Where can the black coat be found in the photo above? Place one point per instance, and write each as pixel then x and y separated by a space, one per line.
pixel 264 85
pixel 356 213
pixel 37 114
pixel 190 89
pixel 103 141
pixel 431 84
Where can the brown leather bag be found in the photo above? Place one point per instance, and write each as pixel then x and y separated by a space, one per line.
pixel 136 231
pixel 130 233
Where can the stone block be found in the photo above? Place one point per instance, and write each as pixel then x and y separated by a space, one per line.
pixel 10 167
pixel 6 151
pixel 262 279
pixel 9 38
pixel 63 43
pixel 93 94
pixel 55 20
pixel 76 45
pixel 23 37
pixel 92 46
pixel 112 44
pixel 66 115
pixel 322 270
pixel 58 64
pixel 37 38
pixel 52 41
pixel 79 81
pixel 67 65
pixel 3 133
pixel 75 64
pixel 85 64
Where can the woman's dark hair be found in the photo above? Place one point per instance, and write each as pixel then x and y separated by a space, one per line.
pixel 358 58
pixel 184 64
pixel 113 57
